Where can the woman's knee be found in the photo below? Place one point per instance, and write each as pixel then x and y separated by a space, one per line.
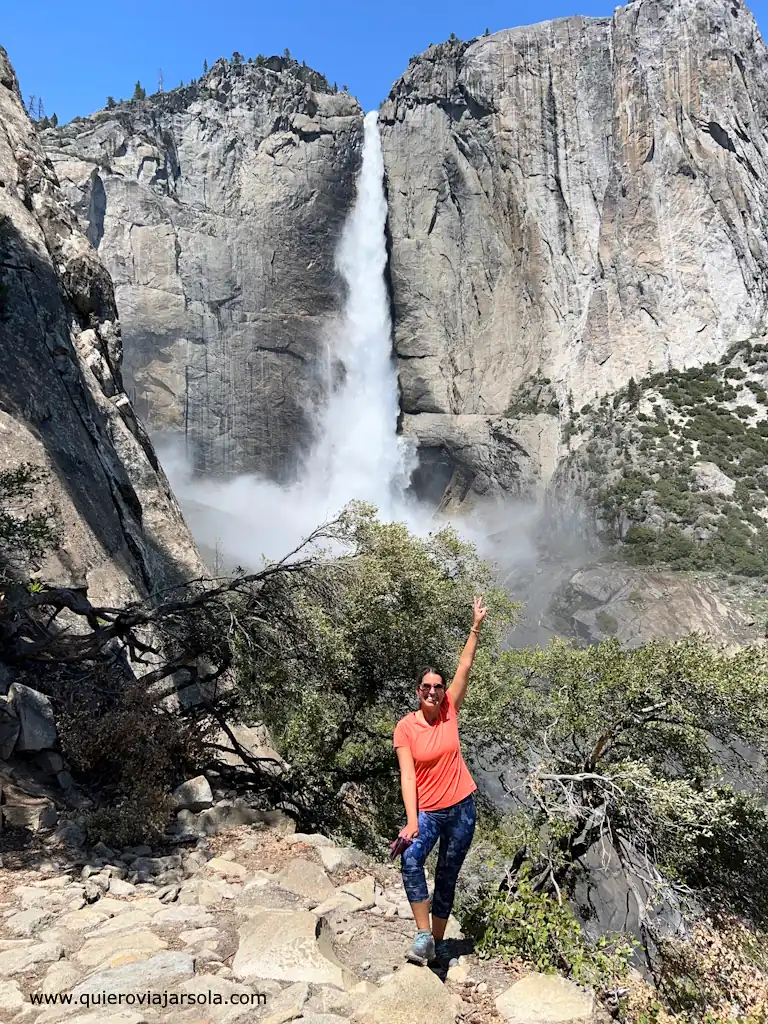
pixel 412 860
pixel 414 880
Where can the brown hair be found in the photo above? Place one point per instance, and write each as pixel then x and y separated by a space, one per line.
pixel 429 671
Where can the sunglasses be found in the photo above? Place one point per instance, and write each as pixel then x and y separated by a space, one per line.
pixel 426 688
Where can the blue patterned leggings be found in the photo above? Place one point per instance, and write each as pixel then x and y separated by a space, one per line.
pixel 454 827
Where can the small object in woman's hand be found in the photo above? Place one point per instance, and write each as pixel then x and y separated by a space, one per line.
pixel 399 846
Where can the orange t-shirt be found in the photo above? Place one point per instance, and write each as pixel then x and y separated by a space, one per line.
pixel 442 777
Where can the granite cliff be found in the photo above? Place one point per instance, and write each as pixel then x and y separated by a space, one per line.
pixel 569 203
pixel 63 407
pixel 217 208
pixel 572 205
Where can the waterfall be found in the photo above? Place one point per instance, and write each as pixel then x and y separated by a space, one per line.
pixel 359 454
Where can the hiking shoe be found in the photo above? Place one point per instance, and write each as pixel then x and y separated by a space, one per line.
pixel 422 950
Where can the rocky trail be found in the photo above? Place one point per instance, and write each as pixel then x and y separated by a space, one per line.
pixel 254 923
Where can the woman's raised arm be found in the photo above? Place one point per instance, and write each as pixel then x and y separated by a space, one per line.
pixel 458 687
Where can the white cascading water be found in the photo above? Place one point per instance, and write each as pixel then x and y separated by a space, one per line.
pixel 358 454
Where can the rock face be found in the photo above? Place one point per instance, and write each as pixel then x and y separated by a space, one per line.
pixel 63 407
pixel 570 202
pixel 217 209
pixel 544 999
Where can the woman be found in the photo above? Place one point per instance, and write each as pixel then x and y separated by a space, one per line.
pixel 438 796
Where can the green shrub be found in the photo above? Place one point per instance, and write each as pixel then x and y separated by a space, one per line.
pixel 24 535
pixel 544 932
pixel 128 749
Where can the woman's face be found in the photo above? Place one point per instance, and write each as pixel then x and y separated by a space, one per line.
pixel 431 690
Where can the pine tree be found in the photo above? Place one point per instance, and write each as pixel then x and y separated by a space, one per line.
pixel 54 120
pixel 31 105
pixel 237 59
pixel 633 393
pixel 110 102
pixel 487 32
pixel 205 67
pixel 287 53
pixel 139 93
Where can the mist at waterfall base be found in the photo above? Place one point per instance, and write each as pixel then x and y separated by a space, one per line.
pixel 357 454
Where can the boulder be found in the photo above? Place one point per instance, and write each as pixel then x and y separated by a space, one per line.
pixel 333 1000
pixel 207 985
pixel 119 887
pixel 193 795
pixel 24 809
pixel 31 896
pixel 10 727
pixel 35 714
pixel 69 833
pixel 17 956
pixel 206 892
pixel 192 916
pixel 363 890
pixel 27 923
pixel 340 904
pixel 133 852
pixel 50 762
pixel 11 999
pixel 287 945
pixel 57 882
pixel 288 1004
pixel 310 838
pixel 159 972
pixel 226 814
pixel 83 920
pixel 304 878
pixel 119 949
pixel 130 921
pixel 150 905
pixel 411 996
pixel 279 820
pixel 544 999
pixel 195 936
pixel 339 858
pixel 61 976
pixel 227 868
pixel 458 973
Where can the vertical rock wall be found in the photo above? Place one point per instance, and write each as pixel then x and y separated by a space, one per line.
pixel 217 210
pixel 63 407
pixel 569 203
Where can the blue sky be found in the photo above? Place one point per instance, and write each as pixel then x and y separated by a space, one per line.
pixel 74 54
